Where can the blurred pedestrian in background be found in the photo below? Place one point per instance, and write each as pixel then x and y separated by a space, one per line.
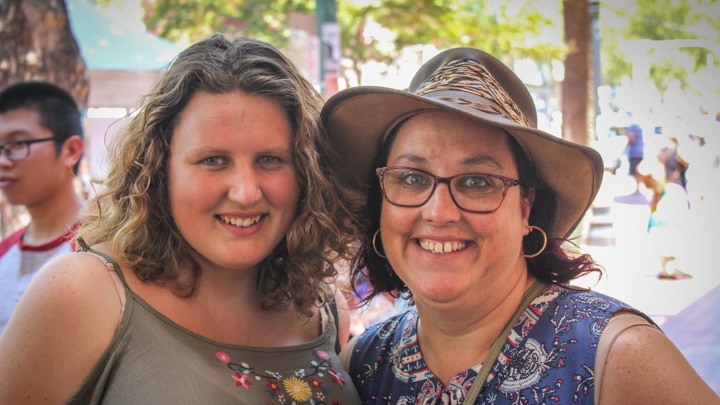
pixel 635 147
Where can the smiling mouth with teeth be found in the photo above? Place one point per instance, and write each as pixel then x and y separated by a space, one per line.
pixel 240 221
pixel 440 248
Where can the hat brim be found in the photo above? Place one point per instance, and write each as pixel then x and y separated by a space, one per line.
pixel 358 120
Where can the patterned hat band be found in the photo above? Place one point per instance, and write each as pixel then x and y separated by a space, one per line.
pixel 470 77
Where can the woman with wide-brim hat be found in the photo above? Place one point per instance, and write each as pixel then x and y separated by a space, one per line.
pixel 469 210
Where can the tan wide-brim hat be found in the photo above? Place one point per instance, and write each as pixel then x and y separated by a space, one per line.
pixel 478 86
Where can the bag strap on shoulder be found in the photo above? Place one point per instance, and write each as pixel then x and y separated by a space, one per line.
pixel 617 325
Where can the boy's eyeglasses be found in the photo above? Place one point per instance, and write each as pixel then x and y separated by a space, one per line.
pixel 20 150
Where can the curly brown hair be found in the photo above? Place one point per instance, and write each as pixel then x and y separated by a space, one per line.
pixel 132 212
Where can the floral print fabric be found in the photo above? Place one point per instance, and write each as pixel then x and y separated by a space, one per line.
pixel 548 356
pixel 302 386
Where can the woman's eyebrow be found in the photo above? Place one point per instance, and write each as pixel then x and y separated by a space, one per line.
pixel 484 160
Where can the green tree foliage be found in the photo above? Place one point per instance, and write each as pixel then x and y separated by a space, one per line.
pixel 489 25
pixel 192 20
pixel 510 29
pixel 629 28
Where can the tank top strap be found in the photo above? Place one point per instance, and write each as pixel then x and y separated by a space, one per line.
pixel 83 247
pixel 336 320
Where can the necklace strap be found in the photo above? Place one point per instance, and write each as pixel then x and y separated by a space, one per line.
pixel 479 381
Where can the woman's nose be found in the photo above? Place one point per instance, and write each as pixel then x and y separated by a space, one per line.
pixel 245 188
pixel 441 207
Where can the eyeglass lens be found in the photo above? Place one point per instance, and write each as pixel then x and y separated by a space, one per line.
pixel 19 150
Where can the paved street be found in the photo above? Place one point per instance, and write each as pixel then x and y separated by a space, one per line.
pixel 686 310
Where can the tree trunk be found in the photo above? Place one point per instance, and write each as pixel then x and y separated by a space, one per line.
pixel 578 95
pixel 37 43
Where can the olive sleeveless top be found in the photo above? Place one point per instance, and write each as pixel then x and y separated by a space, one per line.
pixel 152 360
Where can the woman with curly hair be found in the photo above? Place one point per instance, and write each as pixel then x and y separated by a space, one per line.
pixel 208 254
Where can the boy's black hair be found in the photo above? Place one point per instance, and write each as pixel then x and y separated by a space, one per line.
pixel 57 109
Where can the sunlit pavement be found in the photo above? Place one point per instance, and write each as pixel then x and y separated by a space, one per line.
pixel 687 310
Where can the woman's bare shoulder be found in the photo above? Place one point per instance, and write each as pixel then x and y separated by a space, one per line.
pixel 62 325
pixel 644 366
pixel 70 282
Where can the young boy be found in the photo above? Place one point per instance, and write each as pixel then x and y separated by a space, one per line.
pixel 41 145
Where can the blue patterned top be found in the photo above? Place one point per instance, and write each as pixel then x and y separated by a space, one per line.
pixel 548 356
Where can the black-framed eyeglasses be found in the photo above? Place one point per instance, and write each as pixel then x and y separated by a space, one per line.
pixel 480 193
pixel 20 149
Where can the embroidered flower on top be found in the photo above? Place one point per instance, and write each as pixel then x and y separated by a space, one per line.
pixel 300 387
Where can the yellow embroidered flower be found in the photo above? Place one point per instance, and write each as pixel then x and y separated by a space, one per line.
pixel 298 389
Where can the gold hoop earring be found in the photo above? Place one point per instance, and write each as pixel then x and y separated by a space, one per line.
pixel 545 241
pixel 375 247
